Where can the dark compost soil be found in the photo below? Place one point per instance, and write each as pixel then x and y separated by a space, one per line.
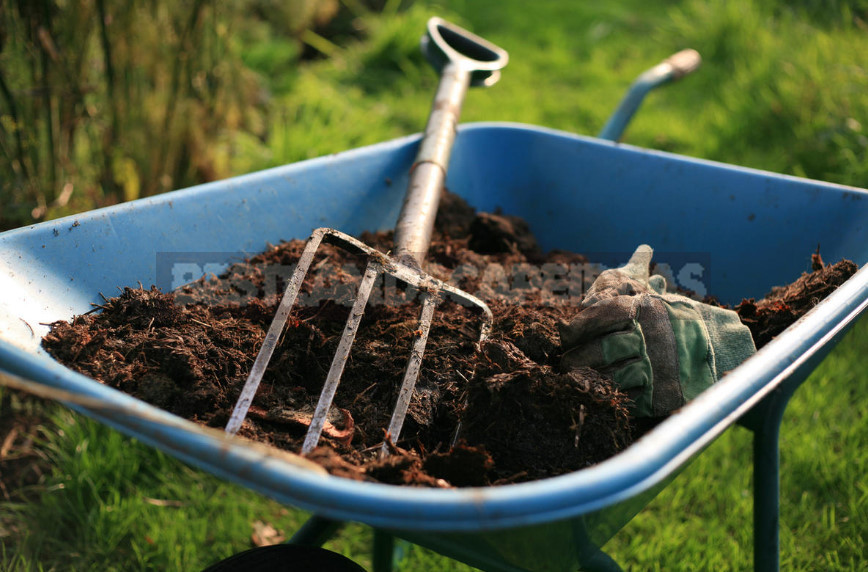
pixel 785 304
pixel 480 415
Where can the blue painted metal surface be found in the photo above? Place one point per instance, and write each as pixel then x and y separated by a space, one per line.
pixel 751 229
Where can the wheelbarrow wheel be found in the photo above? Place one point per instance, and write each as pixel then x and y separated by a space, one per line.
pixel 286 558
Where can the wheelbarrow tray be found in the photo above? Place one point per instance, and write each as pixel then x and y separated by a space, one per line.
pixel 751 230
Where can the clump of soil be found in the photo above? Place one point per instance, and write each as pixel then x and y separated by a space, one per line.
pixel 481 414
pixel 783 305
pixel 574 419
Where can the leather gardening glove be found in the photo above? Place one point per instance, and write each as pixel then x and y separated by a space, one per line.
pixel 662 349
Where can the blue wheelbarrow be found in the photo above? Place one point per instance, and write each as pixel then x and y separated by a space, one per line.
pixel 574 191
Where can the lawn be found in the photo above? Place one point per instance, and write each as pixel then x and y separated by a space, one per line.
pixel 783 88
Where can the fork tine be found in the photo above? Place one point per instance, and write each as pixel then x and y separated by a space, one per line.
pixel 340 359
pixel 432 292
pixel 411 374
pixel 273 334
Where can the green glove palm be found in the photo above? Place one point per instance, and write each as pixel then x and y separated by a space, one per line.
pixel 662 349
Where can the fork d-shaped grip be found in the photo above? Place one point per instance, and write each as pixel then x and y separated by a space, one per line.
pixel 463 59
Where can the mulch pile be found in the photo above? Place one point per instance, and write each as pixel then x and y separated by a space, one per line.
pixel 785 304
pixel 480 415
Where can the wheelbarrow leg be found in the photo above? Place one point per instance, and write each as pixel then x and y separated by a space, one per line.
pixel 316 531
pixel 766 425
pixel 384 551
pixel 591 557
pixel 600 562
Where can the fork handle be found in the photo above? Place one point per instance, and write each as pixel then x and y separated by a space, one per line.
pixel 416 221
pixel 463 59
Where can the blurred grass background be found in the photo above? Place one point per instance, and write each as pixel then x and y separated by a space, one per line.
pixel 103 101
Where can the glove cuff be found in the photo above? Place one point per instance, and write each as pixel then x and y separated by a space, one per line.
pixel 731 340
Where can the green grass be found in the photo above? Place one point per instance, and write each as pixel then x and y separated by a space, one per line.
pixel 703 520
pixel 783 87
pixel 776 90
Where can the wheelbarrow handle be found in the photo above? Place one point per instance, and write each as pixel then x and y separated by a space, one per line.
pixel 671 69
pixel 463 60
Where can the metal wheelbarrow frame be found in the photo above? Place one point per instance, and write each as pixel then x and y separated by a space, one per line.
pixel 574 191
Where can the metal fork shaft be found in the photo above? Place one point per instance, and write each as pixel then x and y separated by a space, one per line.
pixel 416 221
